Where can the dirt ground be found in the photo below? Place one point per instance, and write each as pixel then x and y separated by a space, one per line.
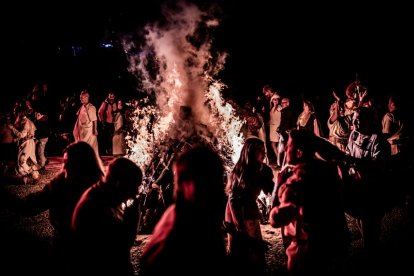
pixel 25 241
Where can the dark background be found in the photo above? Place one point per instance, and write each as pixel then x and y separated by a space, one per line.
pixel 308 49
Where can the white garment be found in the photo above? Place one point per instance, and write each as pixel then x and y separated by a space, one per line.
pixel 27 162
pixel 275 115
pixel 118 139
pixel 83 130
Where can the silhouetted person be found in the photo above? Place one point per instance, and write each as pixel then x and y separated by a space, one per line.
pixel 191 226
pixel 118 139
pixel 81 169
pixel 105 222
pixel 42 136
pixel 287 123
pixel 66 120
pixel 366 196
pixel 8 149
pixel 106 115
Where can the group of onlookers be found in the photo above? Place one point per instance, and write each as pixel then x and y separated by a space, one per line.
pixel 108 121
pixel 26 131
pixel 359 170
pixel 372 154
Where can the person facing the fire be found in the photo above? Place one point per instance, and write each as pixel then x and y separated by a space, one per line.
pixel 191 226
pixel 81 169
pixel 105 220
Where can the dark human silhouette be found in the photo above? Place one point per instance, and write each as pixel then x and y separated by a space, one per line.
pixel 81 169
pixel 105 222
pixel 191 226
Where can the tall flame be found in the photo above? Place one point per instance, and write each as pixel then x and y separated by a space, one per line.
pixel 177 68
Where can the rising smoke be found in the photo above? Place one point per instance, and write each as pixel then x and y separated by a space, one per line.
pixel 177 67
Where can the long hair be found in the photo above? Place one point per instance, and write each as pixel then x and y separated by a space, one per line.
pixel 82 162
pixel 123 178
pixel 247 160
pixel 310 105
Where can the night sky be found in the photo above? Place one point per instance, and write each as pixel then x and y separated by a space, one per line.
pixel 308 49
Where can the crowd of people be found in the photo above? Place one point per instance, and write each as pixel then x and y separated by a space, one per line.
pixel 313 180
pixel 34 128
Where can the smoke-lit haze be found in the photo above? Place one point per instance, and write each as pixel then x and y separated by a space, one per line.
pixel 177 67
